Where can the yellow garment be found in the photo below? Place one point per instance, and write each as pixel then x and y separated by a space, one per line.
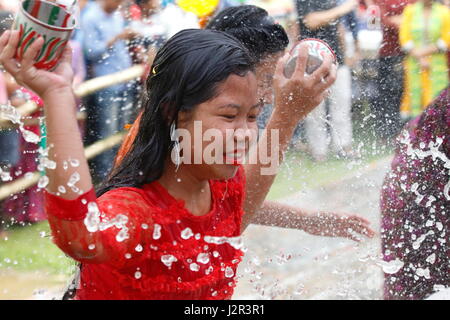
pixel 422 86
pixel 201 8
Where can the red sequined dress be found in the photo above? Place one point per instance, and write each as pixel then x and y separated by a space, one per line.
pixel 143 244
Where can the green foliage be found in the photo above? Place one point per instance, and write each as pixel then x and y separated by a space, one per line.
pixel 29 248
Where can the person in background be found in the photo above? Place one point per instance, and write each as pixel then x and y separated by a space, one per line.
pixel 105 47
pixel 425 38
pixel 390 80
pixel 20 156
pixel 254 28
pixel 9 153
pixel 414 206
pixel 320 20
pixel 266 41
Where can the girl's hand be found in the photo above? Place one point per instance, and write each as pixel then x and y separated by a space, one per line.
pixel 42 82
pixel 338 225
pixel 300 94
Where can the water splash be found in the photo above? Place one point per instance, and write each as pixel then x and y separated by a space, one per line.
pixel 156 231
pixel 94 223
pixel 187 233
pixel 43 182
pixel 168 260
pixel 203 258
pixel 5 176
pixel 235 242
pixel 392 266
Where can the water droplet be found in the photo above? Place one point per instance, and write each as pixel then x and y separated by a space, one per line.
pixel 137 274
pixel 74 178
pixel 74 163
pixel 42 234
pixel 138 248
pixel 43 182
pixel 91 247
pixel 186 233
pixel 431 258
pixel 194 267
pixel 229 273
pixel 168 260
pixel 144 226
pixel 5 176
pixel 392 266
pixel 203 258
pixel 156 231
pixel 128 255
pixel 209 270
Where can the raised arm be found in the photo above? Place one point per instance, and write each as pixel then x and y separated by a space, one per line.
pixel 294 99
pixel 70 193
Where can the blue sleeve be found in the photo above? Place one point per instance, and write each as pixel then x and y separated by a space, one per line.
pixel 94 42
pixel 351 23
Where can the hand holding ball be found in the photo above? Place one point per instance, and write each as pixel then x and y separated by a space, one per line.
pixel 317 50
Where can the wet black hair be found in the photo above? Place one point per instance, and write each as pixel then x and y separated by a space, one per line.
pixel 252 26
pixel 185 73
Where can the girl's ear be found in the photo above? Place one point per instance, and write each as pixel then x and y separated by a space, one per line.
pixel 183 118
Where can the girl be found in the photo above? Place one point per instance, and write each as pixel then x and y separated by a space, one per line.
pixel 161 230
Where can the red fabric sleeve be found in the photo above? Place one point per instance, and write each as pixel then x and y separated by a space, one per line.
pixel 69 210
pixel 100 230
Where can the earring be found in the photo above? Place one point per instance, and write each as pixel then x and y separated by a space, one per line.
pixel 176 147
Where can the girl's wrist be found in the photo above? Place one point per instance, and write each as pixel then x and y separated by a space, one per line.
pixel 58 93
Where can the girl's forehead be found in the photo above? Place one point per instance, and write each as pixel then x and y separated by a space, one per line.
pixel 235 90
pixel 240 88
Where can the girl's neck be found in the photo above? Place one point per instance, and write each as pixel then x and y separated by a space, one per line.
pixel 183 185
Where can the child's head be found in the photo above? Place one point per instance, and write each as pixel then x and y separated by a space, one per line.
pixel 198 77
pixel 260 34
pixel 148 5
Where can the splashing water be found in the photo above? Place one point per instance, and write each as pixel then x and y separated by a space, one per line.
pixel 416 244
pixel 8 112
pixel 168 260
pixel 391 267
pixel 45 163
pixel 93 222
pixel 157 231
pixel 194 267
pixel 74 178
pixel 187 233
pixel 43 182
pixel 203 258
pixel 431 152
pixel 235 242
pixel 5 176
pixel 229 273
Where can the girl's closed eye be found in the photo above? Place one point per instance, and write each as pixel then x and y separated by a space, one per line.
pixel 229 116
